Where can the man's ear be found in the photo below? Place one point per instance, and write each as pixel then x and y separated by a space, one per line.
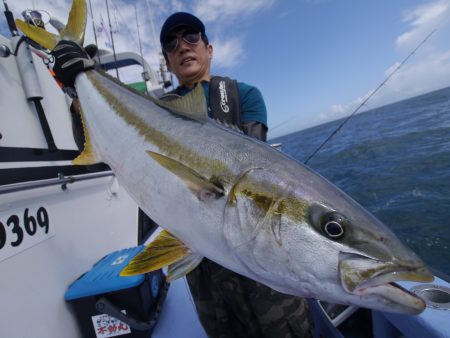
pixel 210 51
pixel 168 65
pixel 167 61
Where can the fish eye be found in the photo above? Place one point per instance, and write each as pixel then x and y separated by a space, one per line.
pixel 333 227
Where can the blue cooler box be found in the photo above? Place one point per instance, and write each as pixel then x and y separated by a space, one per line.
pixel 109 305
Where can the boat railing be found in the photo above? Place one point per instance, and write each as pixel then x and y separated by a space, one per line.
pixel 60 180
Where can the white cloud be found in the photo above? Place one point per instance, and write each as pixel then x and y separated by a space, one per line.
pixel 414 78
pixel 338 109
pixel 423 19
pixel 218 16
pixel 212 10
pixel 424 75
pixel 391 69
pixel 428 69
pixel 227 53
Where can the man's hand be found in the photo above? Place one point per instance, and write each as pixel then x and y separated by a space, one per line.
pixel 70 60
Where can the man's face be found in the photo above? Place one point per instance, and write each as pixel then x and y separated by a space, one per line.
pixel 189 62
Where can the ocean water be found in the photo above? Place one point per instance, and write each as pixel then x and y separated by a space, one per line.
pixel 395 161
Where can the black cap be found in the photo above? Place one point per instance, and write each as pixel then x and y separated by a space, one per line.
pixel 181 19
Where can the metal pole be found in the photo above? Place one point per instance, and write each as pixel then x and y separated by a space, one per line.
pixel 140 49
pixel 6 189
pixel 112 40
pixel 95 32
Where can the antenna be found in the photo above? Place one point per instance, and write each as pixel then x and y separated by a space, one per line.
pixel 166 80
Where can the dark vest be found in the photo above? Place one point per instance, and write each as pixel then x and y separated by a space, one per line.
pixel 223 100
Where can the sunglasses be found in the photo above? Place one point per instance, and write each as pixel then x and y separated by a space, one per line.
pixel 189 36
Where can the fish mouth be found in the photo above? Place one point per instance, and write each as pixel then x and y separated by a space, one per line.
pixel 367 277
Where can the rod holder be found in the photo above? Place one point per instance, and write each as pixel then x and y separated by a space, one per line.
pixel 435 296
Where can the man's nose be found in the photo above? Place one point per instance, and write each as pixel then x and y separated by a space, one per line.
pixel 183 45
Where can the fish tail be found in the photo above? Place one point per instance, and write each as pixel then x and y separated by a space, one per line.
pixel 88 155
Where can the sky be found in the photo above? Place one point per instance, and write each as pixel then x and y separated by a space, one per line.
pixel 313 60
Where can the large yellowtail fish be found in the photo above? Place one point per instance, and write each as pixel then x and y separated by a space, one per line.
pixel 235 200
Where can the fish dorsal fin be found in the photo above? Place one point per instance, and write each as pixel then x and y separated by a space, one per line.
pixel 74 30
pixel 183 267
pixel 38 35
pixel 192 105
pixel 163 251
pixel 88 155
pixel 76 24
pixel 200 186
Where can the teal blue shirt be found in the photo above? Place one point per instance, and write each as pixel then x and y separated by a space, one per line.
pixel 252 104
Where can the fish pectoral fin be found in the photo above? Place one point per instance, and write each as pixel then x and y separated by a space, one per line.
pixel 38 35
pixel 183 266
pixel 88 155
pixel 163 251
pixel 202 187
pixel 192 105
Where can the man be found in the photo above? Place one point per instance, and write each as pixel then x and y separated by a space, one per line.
pixel 188 55
pixel 228 304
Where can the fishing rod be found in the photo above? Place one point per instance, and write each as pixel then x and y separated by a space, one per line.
pixel 367 99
